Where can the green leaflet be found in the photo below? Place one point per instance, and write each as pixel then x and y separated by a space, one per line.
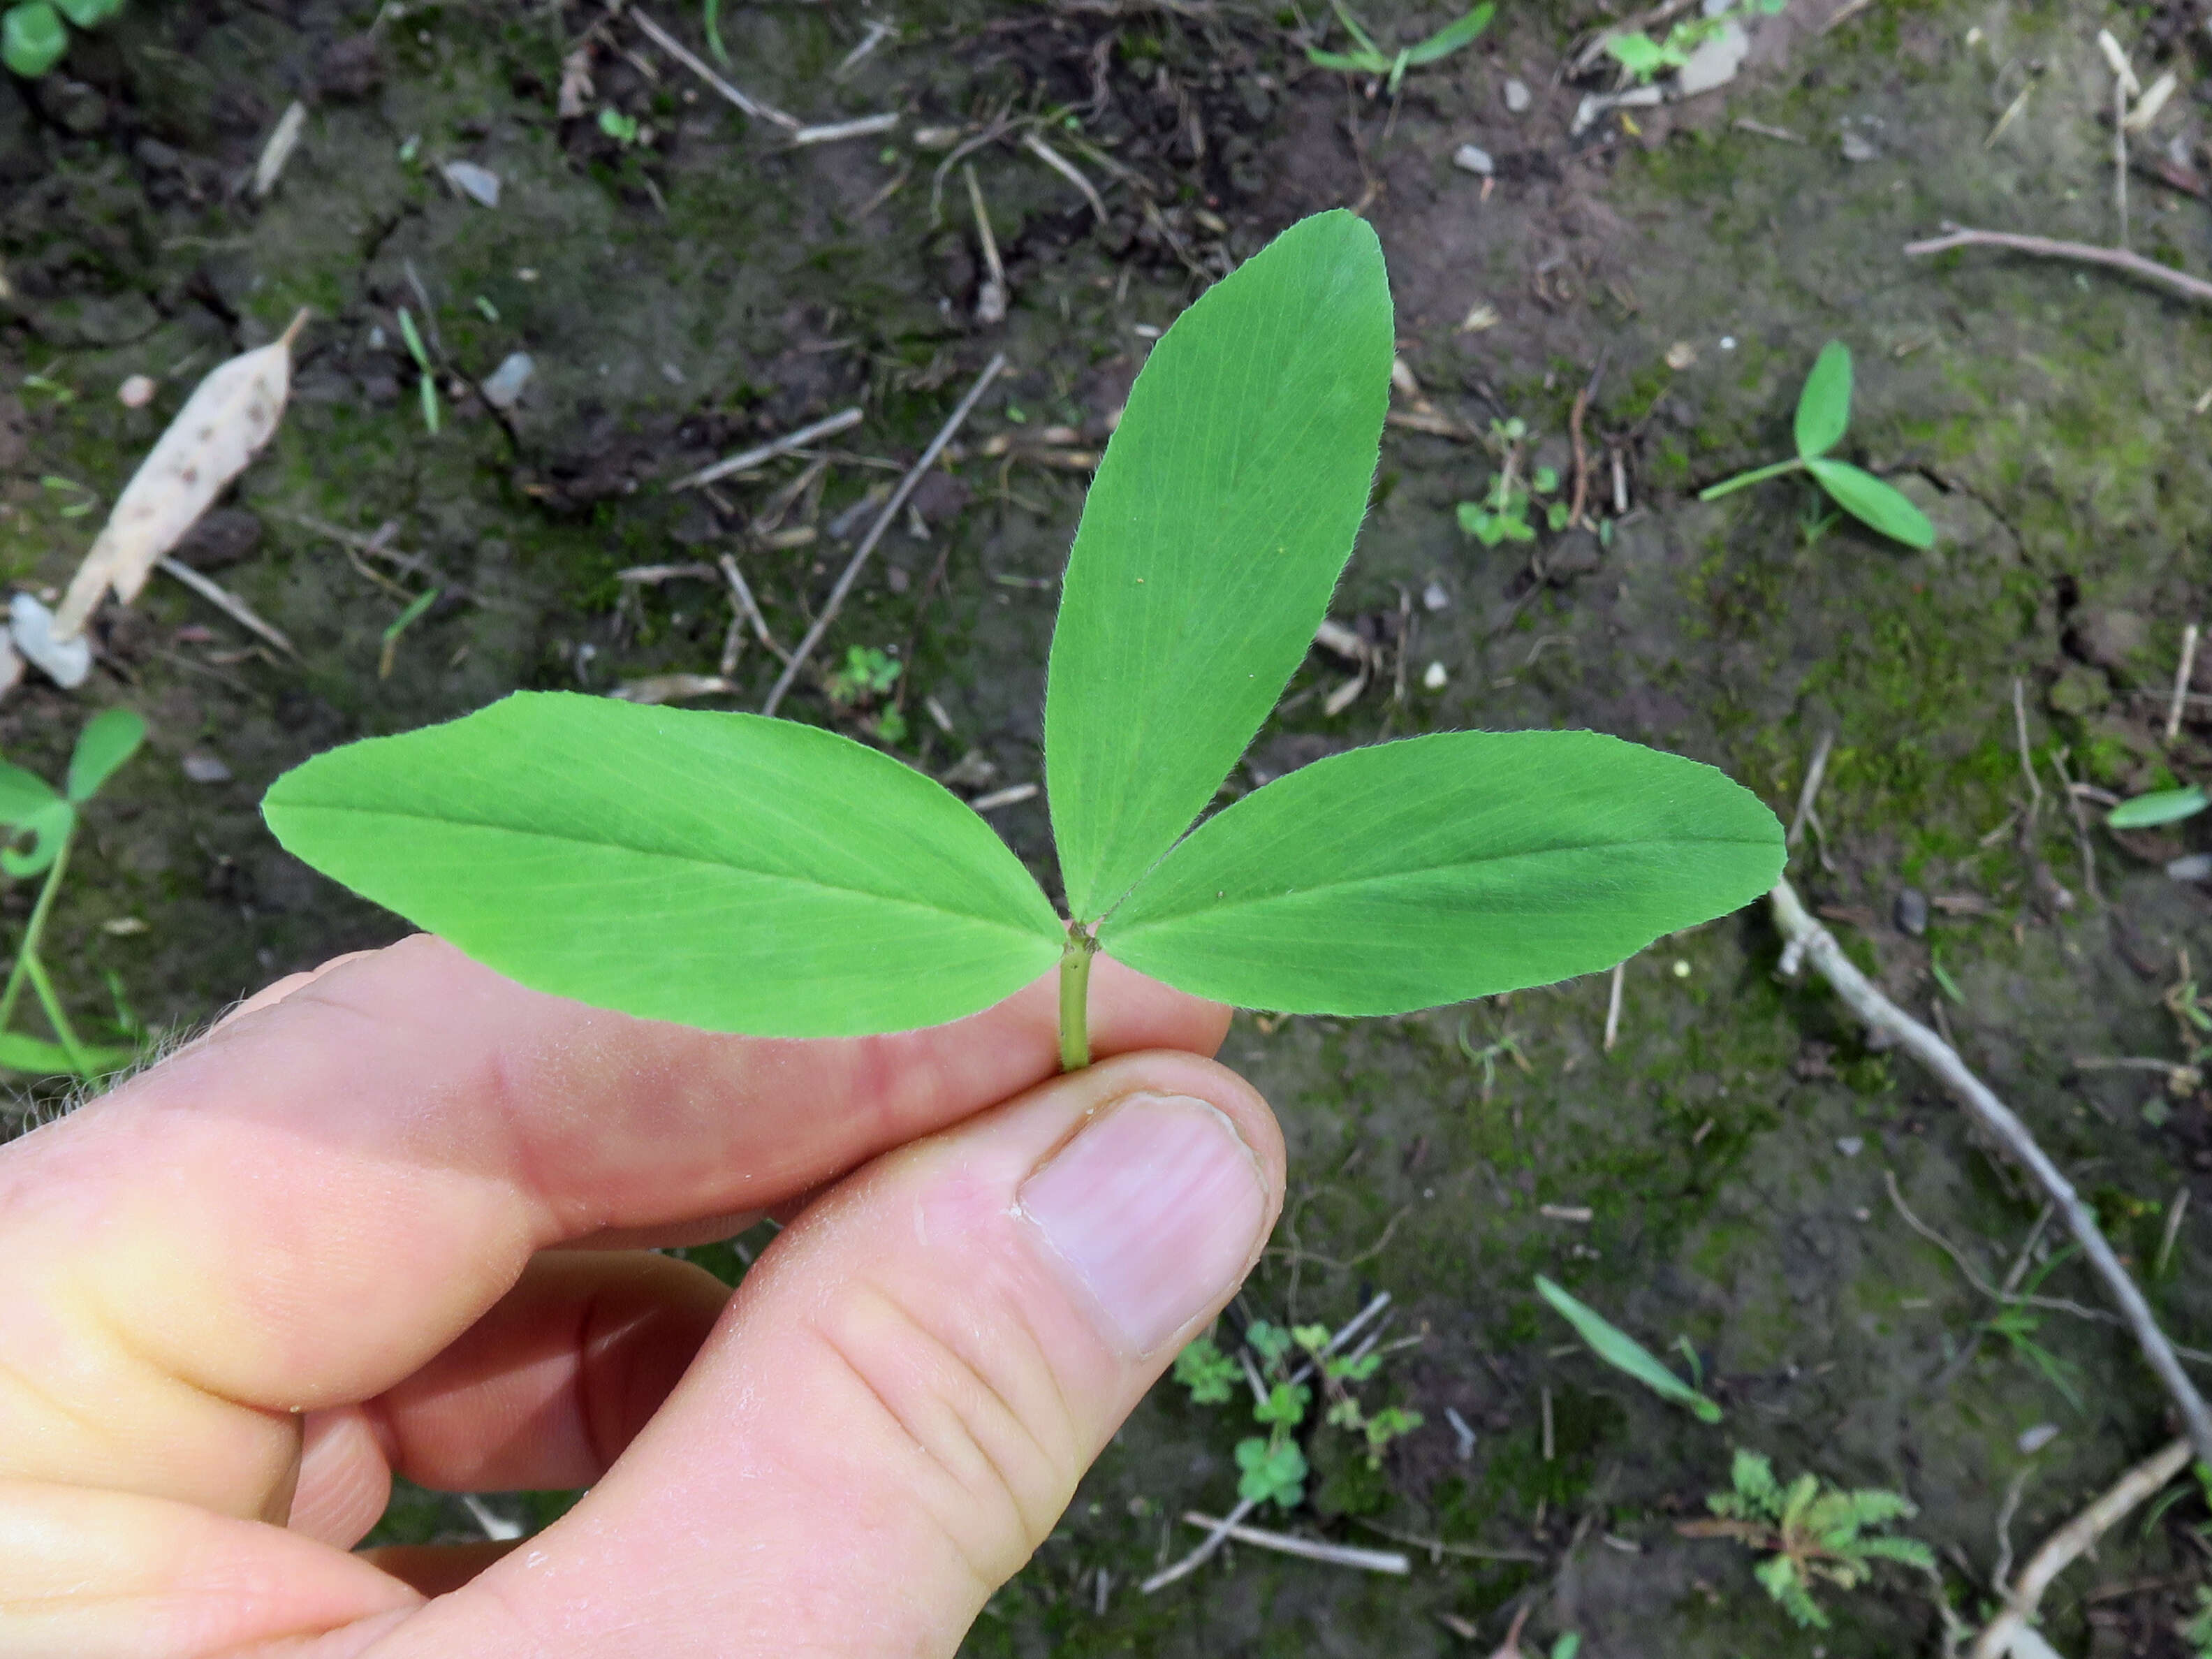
pixel 1444 867
pixel 1871 501
pixel 1222 512
pixel 1824 408
pixel 88 14
pixel 1452 36
pixel 2160 806
pixel 38 1058
pixel 109 739
pixel 728 872
pixel 33 39
pixel 1623 1352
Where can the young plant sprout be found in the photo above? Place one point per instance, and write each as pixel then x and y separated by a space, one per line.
pixel 746 874
pixel 1624 1353
pixel 2160 806
pixel 41 823
pixel 1824 413
pixel 1368 58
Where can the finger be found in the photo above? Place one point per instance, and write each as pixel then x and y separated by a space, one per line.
pixel 544 1391
pixel 907 1388
pixel 304 1207
pixel 102 1575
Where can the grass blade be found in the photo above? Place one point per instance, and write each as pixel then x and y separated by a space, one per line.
pixel 1452 36
pixel 1623 1352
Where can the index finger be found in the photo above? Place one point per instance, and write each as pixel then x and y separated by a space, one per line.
pixel 303 1207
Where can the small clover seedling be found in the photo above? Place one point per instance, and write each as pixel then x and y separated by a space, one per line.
pixel 1824 413
pixel 1371 60
pixel 41 822
pixel 1502 514
pixel 746 874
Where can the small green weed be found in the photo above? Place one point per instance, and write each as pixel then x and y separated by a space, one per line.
pixel 428 382
pixel 41 823
pixel 1502 514
pixel 1818 1533
pixel 1624 1353
pixel 1272 1467
pixel 1824 413
pixel 1371 60
pixel 621 128
pixel 1646 59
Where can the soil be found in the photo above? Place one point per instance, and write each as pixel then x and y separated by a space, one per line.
pixel 1719 1174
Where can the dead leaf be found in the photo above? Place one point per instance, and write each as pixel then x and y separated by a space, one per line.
pixel 221 427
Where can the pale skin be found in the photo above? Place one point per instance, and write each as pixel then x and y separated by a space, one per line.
pixel 388 1217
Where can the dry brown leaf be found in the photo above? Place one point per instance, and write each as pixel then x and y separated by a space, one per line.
pixel 221 427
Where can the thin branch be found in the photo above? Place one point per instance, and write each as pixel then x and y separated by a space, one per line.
pixel 1806 938
pixel 690 60
pixel 1067 169
pixel 2118 258
pixel 805 649
pixel 762 454
pixel 226 602
pixel 1814 774
pixel 2072 1541
pixel 2181 676
pixel 1307 1549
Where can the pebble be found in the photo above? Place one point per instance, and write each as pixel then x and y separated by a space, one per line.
pixel 137 391
pixel 1859 147
pixel 479 185
pixel 65 662
pixel 1851 1145
pixel 203 768
pixel 1911 911
pixel 2034 1440
pixel 1433 598
pixel 1518 97
pixel 504 386
pixel 1436 678
pixel 1472 158
pixel 2196 868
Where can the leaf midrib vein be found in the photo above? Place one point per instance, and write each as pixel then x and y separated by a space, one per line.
pixel 672 858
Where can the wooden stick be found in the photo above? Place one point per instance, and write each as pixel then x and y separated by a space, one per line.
pixel 2181 683
pixel 2118 258
pixel 1805 939
pixel 1307 1549
pixel 2072 1541
pixel 675 49
pixel 762 454
pixel 953 422
pixel 1810 792
pixel 226 602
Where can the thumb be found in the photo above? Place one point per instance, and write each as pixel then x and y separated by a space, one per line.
pixel 900 1401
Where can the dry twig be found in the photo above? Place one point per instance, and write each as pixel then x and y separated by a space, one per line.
pixel 2181 676
pixel 2070 1542
pixel 1307 1549
pixel 953 422
pixel 2118 258
pixel 1806 939
pixel 690 60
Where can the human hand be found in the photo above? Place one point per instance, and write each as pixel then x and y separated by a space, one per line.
pixel 387 1218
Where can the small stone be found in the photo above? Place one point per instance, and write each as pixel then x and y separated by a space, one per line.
pixel 1433 598
pixel 1911 911
pixel 1682 968
pixel 1518 97
pixel 479 185
pixel 1851 1145
pixel 224 536
pixel 65 662
pixel 1680 356
pixel 1859 147
pixel 1472 158
pixel 1435 677
pixel 504 386
pixel 2033 1440
pixel 203 767
pixel 1714 62
pixel 2109 638
pixel 2197 866
pixel 137 391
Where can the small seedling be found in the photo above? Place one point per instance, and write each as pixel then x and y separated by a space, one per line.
pixel 1624 1353
pixel 32 36
pixel 1371 60
pixel 428 382
pixel 745 874
pixel 1272 1467
pixel 1646 59
pixel 41 823
pixel 1824 413
pixel 2160 806
pixel 1818 1532
pixel 622 129
pixel 1502 514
